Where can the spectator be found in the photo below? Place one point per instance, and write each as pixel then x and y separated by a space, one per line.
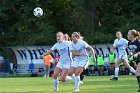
pixel 100 62
pixel 111 60
pixel 47 62
pixel 91 65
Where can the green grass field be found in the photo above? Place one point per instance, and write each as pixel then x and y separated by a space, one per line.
pixel 126 84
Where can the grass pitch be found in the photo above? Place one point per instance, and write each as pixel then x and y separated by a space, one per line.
pixel 92 84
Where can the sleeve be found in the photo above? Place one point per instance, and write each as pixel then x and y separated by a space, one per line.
pixel 70 46
pixel 54 47
pixel 115 43
pixel 126 42
pixel 85 44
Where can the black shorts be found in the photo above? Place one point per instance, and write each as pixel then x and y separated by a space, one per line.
pixel 111 63
pixel 91 65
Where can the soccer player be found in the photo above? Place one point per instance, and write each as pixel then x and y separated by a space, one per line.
pixel 63 47
pixel 81 61
pixel 121 43
pixel 134 46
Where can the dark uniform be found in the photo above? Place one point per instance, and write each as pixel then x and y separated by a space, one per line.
pixel 135 48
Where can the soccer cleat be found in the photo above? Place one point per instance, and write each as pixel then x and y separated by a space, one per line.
pixel 114 79
pixel 76 90
pixel 81 83
pixel 55 89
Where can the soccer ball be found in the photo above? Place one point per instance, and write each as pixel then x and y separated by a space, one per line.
pixel 38 12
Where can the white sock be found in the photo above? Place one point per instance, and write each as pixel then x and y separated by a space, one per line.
pixel 77 81
pixel 116 72
pixel 132 70
pixel 73 76
pixel 55 82
pixel 68 78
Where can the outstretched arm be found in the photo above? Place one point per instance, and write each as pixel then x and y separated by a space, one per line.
pixel 47 53
pixel 92 52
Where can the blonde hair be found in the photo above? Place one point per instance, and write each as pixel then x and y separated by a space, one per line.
pixel 67 37
pixel 60 33
pixel 135 33
pixel 78 35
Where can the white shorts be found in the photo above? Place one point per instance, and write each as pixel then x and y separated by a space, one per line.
pixel 63 65
pixel 123 57
pixel 83 63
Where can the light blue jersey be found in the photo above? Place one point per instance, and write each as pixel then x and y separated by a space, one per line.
pixel 63 49
pixel 121 45
pixel 80 47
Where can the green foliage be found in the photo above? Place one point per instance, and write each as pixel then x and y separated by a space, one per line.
pixel 97 20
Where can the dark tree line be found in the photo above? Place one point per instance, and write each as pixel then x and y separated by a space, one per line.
pixel 97 20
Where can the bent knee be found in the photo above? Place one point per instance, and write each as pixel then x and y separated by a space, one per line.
pixel 62 79
pixel 70 73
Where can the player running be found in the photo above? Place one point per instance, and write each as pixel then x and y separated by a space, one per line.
pixel 81 61
pixel 63 47
pixel 134 46
pixel 121 43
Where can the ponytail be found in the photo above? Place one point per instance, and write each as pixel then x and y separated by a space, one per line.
pixel 138 35
pixel 78 35
pixel 135 33
pixel 67 37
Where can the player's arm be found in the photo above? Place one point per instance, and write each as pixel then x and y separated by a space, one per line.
pixel 115 45
pixel 137 55
pixel 47 53
pixel 92 52
pixel 73 52
pixel 51 59
pixel 76 54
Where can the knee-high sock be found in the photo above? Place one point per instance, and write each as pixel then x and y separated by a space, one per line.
pixel 55 82
pixel 138 80
pixel 132 70
pixel 68 78
pixel 77 81
pixel 116 72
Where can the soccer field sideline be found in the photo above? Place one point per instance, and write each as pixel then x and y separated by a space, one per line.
pixel 126 84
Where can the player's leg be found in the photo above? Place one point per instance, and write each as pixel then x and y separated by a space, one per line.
pixel 78 71
pixel 48 72
pixel 102 70
pixel 116 69
pixel 91 69
pixel 71 70
pixel 112 66
pixel 45 71
pixel 129 67
pixel 82 75
pixel 64 74
pixel 57 71
pixel 99 70
pixel 138 75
